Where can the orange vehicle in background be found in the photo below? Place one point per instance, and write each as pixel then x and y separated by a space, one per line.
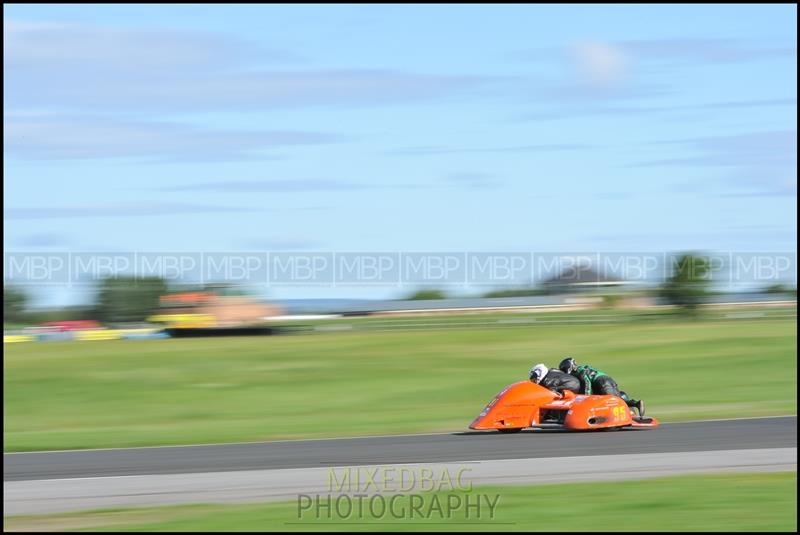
pixel 526 404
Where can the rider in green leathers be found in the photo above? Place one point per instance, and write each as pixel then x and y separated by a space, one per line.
pixel 598 382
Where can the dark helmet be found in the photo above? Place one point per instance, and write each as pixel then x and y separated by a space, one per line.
pixel 568 365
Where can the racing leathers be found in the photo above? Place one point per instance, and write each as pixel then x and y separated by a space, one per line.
pixel 594 381
pixel 559 381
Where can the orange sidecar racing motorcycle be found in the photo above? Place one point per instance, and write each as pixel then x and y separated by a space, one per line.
pixel 526 404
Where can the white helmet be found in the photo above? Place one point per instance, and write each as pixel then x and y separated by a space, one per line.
pixel 538 372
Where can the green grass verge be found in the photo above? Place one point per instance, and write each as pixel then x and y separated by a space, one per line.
pixel 60 395
pixel 722 503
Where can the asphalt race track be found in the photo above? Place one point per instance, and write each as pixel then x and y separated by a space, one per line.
pixel 778 432
pixel 71 480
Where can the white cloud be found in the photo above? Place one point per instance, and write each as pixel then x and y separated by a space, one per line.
pixel 107 68
pixel 601 64
pixel 703 50
pixel 442 149
pixel 144 51
pixel 619 70
pixel 754 164
pixel 273 186
pixel 233 91
pixel 49 137
pixel 117 209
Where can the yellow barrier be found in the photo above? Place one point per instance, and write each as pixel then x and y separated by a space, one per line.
pixel 94 334
pixel 15 338
pixel 102 334
pixel 185 321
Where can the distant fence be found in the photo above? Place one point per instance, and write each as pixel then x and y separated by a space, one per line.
pixel 364 307
pixel 93 334
pixel 431 323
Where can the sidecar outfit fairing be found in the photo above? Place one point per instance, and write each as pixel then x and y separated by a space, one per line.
pixel 526 404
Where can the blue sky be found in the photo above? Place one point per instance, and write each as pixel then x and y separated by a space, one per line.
pixel 399 128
